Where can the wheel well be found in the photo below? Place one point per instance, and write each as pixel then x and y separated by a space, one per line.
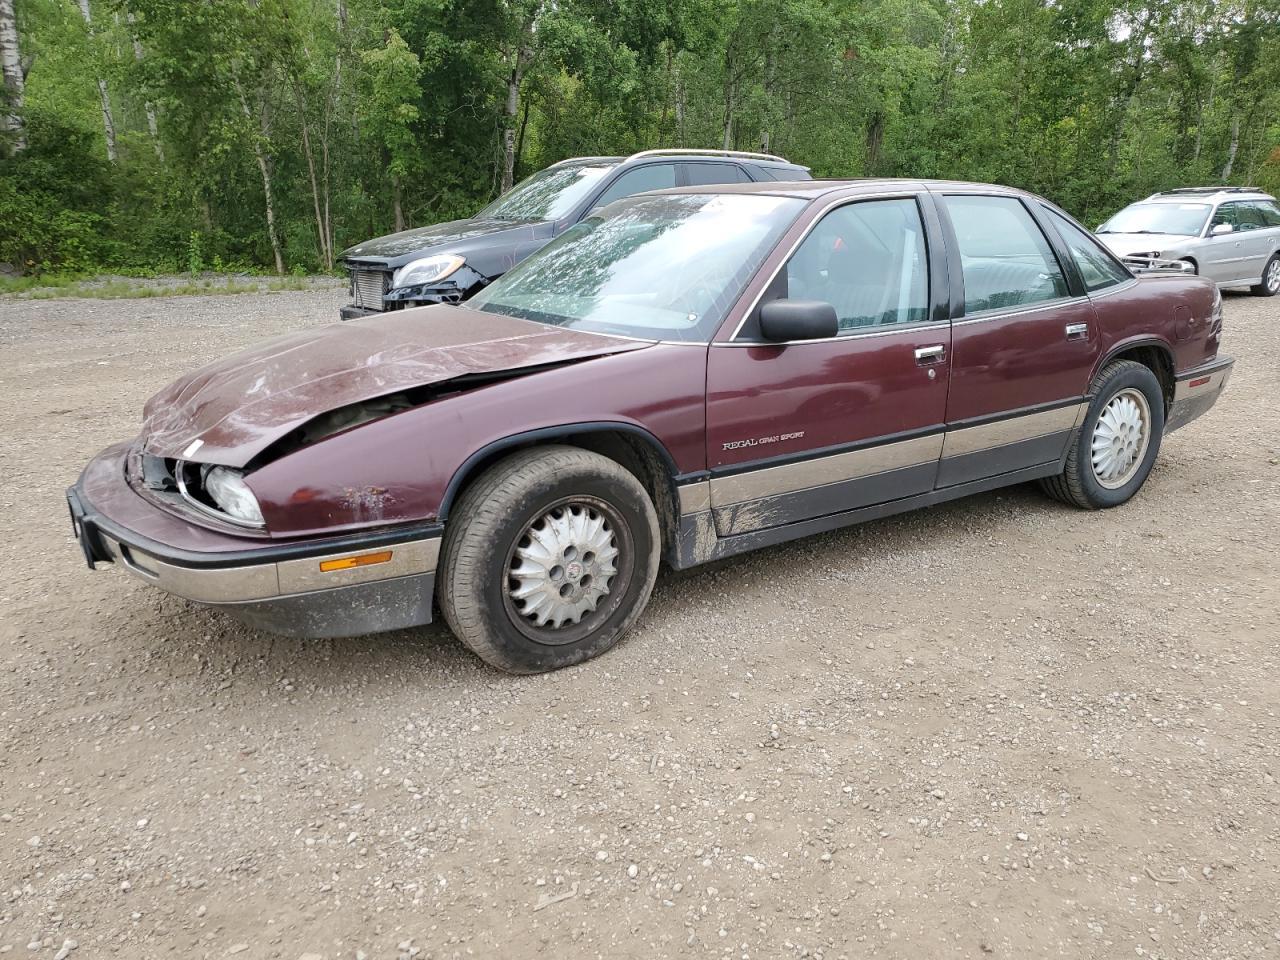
pixel 640 456
pixel 1193 261
pixel 1157 359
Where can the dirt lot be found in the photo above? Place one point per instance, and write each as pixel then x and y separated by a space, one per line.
pixel 1001 727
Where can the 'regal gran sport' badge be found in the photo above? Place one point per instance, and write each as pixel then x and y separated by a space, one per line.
pixel 763 441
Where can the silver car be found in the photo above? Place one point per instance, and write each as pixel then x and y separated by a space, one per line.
pixel 1228 234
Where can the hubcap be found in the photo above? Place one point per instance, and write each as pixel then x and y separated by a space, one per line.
pixel 1273 276
pixel 563 565
pixel 1120 438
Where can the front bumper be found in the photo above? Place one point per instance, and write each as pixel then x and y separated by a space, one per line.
pixel 352 312
pixel 278 587
pixel 1195 391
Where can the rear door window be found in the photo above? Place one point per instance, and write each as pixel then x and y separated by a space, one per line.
pixel 1270 211
pixel 1251 217
pixel 1098 268
pixel 653 176
pixel 1005 259
pixel 701 174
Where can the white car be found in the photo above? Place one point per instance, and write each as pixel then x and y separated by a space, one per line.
pixel 1229 234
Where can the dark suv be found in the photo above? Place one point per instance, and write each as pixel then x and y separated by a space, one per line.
pixel 448 262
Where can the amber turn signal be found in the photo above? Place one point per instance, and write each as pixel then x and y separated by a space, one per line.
pixel 363 560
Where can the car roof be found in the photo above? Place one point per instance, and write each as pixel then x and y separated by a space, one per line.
pixel 675 153
pixel 814 189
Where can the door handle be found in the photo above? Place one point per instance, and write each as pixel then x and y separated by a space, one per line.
pixel 928 355
pixel 1077 331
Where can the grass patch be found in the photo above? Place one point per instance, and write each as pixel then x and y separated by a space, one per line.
pixel 51 287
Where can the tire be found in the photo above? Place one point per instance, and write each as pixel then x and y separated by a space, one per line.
pixel 1082 483
pixel 1195 269
pixel 512 519
pixel 1270 284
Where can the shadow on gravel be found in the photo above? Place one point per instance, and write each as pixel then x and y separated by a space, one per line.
pixel 184 641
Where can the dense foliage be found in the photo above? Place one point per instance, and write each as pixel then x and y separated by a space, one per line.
pixel 188 134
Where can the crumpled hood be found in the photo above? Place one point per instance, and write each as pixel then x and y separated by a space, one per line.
pixel 239 406
pixel 1123 244
pixel 455 236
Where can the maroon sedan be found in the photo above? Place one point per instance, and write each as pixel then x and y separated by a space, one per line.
pixel 688 375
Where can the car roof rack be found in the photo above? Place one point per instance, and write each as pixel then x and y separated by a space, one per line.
pixel 1206 191
pixel 684 151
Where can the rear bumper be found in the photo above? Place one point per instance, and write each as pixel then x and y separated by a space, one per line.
pixel 279 587
pixel 1197 390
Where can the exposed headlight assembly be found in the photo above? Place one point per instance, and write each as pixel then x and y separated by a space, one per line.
pixel 426 270
pixel 226 488
pixel 223 493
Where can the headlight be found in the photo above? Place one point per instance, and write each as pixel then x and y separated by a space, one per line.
pixel 426 270
pixel 226 488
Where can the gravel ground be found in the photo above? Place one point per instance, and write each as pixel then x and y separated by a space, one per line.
pixel 1000 727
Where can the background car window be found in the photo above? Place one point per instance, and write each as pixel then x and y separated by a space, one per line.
pixel 655 176
pixel 1227 213
pixel 1097 268
pixel 1270 211
pixel 1250 217
pixel 1005 259
pixel 868 261
pixel 700 174
pixel 547 195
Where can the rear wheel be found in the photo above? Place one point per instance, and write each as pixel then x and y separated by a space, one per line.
pixel 1270 284
pixel 1118 442
pixel 548 560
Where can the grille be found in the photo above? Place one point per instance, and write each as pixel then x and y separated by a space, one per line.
pixel 367 287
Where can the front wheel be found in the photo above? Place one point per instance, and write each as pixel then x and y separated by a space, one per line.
pixel 549 558
pixel 1270 284
pixel 1118 442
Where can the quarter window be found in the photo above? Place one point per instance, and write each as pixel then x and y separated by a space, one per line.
pixel 1005 259
pixel 1097 268
pixel 654 176
pixel 867 260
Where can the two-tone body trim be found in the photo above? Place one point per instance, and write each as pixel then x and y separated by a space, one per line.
pixel 785 490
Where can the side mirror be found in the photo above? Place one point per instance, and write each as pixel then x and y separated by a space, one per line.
pixel 1221 229
pixel 785 320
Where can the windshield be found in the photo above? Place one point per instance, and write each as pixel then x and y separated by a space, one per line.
pixel 664 267
pixel 1183 219
pixel 548 195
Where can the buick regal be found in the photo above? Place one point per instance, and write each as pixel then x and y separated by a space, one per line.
pixel 683 376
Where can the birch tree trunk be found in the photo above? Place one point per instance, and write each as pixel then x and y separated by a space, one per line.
pixel 509 111
pixel 265 168
pixel 148 106
pixel 1231 152
pixel 11 61
pixel 326 254
pixel 108 121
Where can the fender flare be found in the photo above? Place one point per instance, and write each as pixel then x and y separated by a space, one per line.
pixel 1139 341
pixel 489 451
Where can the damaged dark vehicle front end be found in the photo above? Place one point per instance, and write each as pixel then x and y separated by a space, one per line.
pixel 451 262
